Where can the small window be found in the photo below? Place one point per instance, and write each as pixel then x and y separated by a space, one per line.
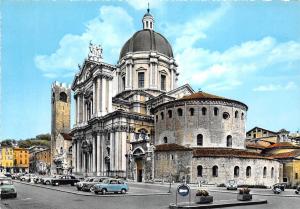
pixel 146 24
pixel 123 82
pixel 236 114
pixel 200 140
pixel 216 111
pixel 151 25
pixel 265 172
pixel 248 171
pixel 204 110
pixel 170 113
pixel 236 171
pixel 229 141
pixel 163 82
pixel 141 79
pixel 165 140
pixel 192 111
pixel 242 116
pixel 272 172
pixel 226 116
pixel 199 170
pixel 156 118
pixel 162 115
pixel 215 171
pixel 179 111
pixel 63 97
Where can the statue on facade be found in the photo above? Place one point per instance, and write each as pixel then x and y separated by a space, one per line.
pixel 95 53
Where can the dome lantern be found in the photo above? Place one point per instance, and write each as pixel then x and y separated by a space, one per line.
pixel 148 20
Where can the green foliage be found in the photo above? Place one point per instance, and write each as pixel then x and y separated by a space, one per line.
pixel 39 140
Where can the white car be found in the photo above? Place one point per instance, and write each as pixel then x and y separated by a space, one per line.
pixel 231 185
pixel 26 177
pixel 48 180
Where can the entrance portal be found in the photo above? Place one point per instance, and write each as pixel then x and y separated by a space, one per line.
pixel 139 170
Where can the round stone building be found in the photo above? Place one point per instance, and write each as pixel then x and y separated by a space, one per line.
pixel 202 136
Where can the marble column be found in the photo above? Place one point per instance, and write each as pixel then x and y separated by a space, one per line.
pixel 74 156
pixel 94 98
pixel 102 148
pixel 99 96
pixel 77 156
pixel 83 109
pixel 77 108
pixel 112 151
pixel 98 156
pixel 83 170
pixel 110 89
pixel 103 96
pixel 123 151
pixel 94 160
pixel 116 150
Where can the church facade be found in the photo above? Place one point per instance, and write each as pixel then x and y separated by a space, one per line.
pixel 133 121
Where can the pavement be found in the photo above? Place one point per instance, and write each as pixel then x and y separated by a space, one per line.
pixel 31 196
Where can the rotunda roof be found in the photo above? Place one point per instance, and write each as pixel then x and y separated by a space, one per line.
pixel 147 40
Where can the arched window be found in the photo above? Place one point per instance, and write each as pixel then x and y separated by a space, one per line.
pixel 229 141
pixel 179 111
pixel 272 172
pixel 216 111
pixel 163 82
pixel 242 116
pixel 199 170
pixel 204 110
pixel 192 111
pixel 236 171
pixel 123 82
pixel 162 115
pixel 63 97
pixel 165 140
pixel 215 171
pixel 170 113
pixel 156 118
pixel 199 139
pixel 141 79
pixel 265 172
pixel 248 171
pixel 236 114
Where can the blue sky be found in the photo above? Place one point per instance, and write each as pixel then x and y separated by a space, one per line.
pixel 248 51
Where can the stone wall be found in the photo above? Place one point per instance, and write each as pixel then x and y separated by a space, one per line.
pixel 226 170
pixel 184 129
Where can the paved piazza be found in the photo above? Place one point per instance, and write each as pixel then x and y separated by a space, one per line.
pixel 149 197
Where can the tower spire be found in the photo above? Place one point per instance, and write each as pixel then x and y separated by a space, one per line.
pixel 148 10
pixel 148 20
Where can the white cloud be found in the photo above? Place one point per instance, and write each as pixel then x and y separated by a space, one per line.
pixel 276 87
pixel 111 31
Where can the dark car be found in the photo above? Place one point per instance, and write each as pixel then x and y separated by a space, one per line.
pixel 281 186
pixel 297 191
pixel 63 180
pixel 89 186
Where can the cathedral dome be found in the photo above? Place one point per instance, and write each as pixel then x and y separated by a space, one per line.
pixel 147 40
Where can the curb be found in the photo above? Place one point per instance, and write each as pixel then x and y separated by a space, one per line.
pixel 93 195
pixel 217 205
pixel 257 194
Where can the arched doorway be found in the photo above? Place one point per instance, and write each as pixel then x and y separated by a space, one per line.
pixel 139 170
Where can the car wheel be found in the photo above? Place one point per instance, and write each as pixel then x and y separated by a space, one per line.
pixel 123 191
pixel 15 195
pixel 96 192
pixel 104 191
pixel 78 189
pixel 92 189
pixel 47 182
pixel 72 184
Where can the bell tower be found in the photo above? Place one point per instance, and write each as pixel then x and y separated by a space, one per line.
pixel 60 112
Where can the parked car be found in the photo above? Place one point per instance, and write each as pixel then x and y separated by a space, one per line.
pixel 281 186
pixel 47 179
pixel 7 188
pixel 111 185
pixel 231 185
pixel 80 184
pixel 8 175
pixel 297 191
pixel 28 177
pixel 63 180
pixel 89 186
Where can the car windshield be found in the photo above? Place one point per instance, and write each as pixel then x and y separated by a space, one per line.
pixel 106 181
pixel 5 182
pixel 231 182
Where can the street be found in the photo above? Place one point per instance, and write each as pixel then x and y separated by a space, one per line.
pixel 32 197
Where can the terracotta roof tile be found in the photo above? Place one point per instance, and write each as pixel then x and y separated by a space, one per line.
pixel 255 146
pixel 171 147
pixel 282 144
pixel 66 136
pixel 202 95
pixel 286 155
pixel 226 152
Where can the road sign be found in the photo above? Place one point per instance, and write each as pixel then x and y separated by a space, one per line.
pixel 183 190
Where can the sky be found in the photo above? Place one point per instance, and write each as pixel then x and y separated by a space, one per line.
pixel 243 50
